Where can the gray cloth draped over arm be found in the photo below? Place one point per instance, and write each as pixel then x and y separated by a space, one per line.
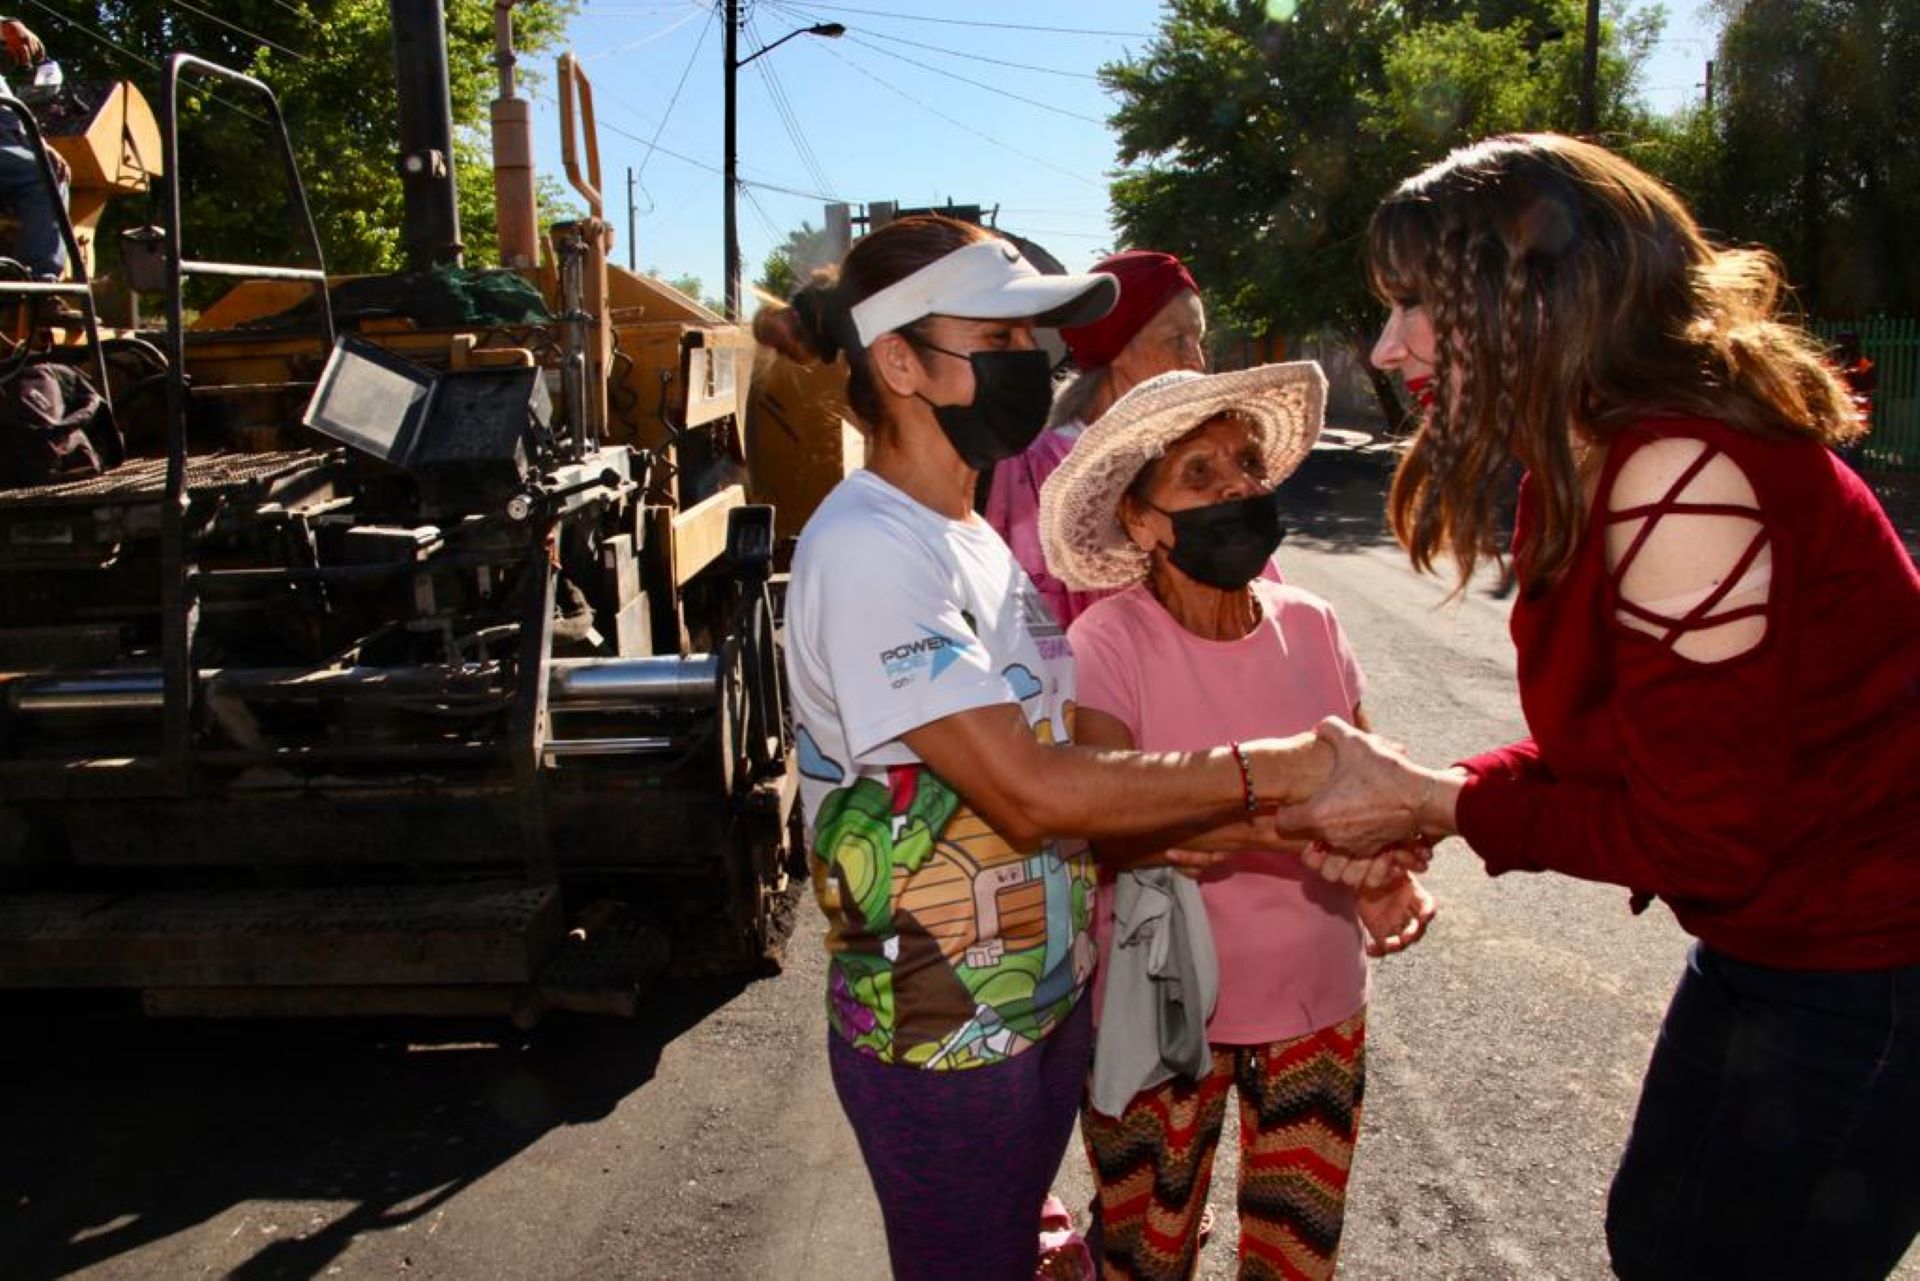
pixel 1163 978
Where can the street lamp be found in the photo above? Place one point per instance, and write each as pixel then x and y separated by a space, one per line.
pixel 830 30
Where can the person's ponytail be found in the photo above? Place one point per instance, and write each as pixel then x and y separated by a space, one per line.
pixel 816 325
pixel 807 329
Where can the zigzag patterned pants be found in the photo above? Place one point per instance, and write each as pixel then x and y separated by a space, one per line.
pixel 1299 1115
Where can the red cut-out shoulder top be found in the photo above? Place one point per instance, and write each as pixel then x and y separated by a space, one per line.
pixel 1771 799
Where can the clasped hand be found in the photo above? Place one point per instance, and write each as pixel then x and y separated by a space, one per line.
pixel 1367 822
pixel 1363 827
pixel 1372 818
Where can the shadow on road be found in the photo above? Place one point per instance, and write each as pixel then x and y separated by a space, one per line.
pixel 1337 501
pixel 120 1132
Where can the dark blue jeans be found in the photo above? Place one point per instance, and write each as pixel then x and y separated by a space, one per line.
pixel 1778 1133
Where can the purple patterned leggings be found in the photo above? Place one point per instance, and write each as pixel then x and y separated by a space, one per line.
pixel 961 1160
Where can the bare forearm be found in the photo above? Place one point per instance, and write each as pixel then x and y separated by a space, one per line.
pixel 1029 791
pixel 1098 792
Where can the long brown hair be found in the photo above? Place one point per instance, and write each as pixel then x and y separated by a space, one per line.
pixel 816 326
pixel 1572 293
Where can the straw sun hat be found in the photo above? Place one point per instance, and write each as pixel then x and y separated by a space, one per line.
pixel 1086 547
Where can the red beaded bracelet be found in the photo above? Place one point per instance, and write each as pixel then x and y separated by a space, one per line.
pixel 1247 797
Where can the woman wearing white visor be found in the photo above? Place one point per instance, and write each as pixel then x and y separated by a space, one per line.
pixel 933 704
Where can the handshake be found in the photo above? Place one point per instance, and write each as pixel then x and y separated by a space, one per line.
pixel 1373 813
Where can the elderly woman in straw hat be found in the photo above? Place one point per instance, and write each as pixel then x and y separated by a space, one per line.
pixel 1171 500
pixel 1158 324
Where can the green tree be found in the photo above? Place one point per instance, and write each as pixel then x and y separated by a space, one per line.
pixel 1257 138
pixel 1683 150
pixel 330 64
pixel 690 285
pixel 1818 115
pixel 789 263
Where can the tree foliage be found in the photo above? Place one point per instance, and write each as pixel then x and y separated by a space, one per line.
pixel 1257 138
pixel 690 285
pixel 789 263
pixel 1818 125
pixel 330 64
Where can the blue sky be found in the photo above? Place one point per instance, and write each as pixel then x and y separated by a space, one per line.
pixel 917 103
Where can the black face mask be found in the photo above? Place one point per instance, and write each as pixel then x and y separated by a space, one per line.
pixel 1012 392
pixel 1226 544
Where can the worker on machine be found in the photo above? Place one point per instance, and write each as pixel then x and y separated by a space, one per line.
pixel 37 244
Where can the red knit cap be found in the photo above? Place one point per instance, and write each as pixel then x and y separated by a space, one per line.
pixel 1148 281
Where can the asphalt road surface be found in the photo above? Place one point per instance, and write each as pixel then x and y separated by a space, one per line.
pixel 703 1139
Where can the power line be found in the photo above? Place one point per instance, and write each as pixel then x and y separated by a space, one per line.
pixel 981 57
pixel 641 11
pixel 148 63
pixel 766 221
pixel 978 84
pixel 820 196
pixel 684 158
pixel 790 122
pixel 648 39
pixel 782 108
pixel 969 22
pixel 234 26
pixel 892 88
pixel 698 45
pixel 97 35
pixel 1035 233
pixel 789 118
pixel 645 117
pixel 297 12
pixel 685 203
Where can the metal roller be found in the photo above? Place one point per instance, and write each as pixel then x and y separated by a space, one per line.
pixel 92 692
pixel 691 681
pixel 672 681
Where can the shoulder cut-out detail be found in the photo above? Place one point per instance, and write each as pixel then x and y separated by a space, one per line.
pixel 1688 550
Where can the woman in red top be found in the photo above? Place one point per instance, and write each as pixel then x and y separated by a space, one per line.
pixel 1719 660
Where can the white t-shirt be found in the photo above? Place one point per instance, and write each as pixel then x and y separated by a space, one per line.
pixel 948 947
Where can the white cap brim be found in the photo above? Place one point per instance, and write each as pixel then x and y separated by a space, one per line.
pixel 986 280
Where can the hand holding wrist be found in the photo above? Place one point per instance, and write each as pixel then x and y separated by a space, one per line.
pixel 1435 802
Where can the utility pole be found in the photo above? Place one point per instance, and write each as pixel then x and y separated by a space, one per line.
pixel 1709 84
pixel 1590 69
pixel 432 209
pixel 731 163
pixel 633 264
pixel 730 176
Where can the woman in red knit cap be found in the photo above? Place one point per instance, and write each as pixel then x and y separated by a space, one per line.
pixel 1718 635
pixel 1156 327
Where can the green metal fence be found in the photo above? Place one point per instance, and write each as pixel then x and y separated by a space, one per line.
pixel 1893 345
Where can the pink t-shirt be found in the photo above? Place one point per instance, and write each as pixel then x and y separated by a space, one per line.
pixel 1290 946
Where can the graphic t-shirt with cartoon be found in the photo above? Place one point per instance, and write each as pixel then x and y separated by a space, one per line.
pixel 948 947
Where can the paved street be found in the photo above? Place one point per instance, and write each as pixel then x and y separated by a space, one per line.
pixel 703 1140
